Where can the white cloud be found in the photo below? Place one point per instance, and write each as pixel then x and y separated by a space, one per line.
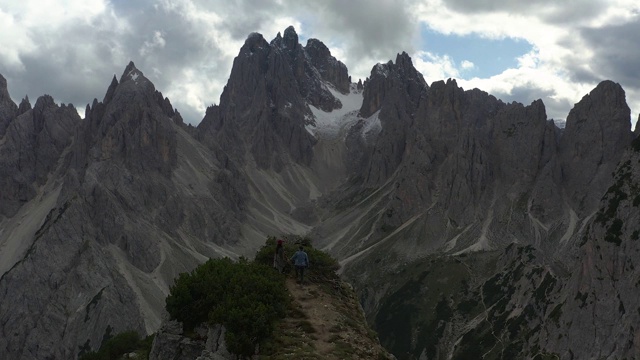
pixel 13 42
pixel 435 67
pixel 560 55
pixel 157 42
pixel 467 65
pixel 439 67
pixel 186 47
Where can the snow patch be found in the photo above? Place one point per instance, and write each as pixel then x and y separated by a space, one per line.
pixel 382 69
pixel 133 75
pixel 330 123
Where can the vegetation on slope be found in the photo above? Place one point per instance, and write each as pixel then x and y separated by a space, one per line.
pixel 266 312
pixel 481 305
pixel 245 297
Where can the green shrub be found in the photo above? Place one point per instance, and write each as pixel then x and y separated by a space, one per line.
pixel 246 297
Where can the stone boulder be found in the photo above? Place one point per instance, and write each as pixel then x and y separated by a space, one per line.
pixel 208 344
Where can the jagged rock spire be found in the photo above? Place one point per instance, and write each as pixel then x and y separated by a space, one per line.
pixel 25 105
pixel 290 38
pixel 112 88
pixel 401 76
pixel 4 91
pixel 8 109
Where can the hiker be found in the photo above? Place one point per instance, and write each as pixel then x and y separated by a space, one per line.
pixel 301 261
pixel 279 260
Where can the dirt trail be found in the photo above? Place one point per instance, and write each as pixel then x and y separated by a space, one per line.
pixel 327 323
pixel 320 313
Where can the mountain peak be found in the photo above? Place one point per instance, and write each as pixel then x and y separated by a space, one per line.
pixel 608 84
pixel 131 73
pixel 254 38
pixel 598 128
pixel 8 108
pixel 44 101
pixel 290 37
pixel 610 90
pixel 290 32
pixel 403 61
pixel 4 89
pixel 401 76
pixel 331 70
pixel 130 67
pixel 24 106
pixel 112 88
pixel 255 42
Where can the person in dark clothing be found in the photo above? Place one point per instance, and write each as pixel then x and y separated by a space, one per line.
pixel 279 260
pixel 301 261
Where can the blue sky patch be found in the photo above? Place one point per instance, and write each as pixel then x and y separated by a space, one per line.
pixel 490 57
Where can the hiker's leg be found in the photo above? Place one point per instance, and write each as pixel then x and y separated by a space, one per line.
pixel 298 268
pixel 302 274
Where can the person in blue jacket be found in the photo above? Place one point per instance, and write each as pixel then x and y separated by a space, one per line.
pixel 301 261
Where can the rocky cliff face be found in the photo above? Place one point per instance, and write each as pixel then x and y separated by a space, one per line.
pixel 461 171
pixel 516 302
pixel 597 306
pixel 32 150
pixel 457 172
pixel 134 201
pixel 597 132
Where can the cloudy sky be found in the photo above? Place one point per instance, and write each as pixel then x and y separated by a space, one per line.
pixel 517 50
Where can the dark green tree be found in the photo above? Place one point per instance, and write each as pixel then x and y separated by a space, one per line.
pixel 245 297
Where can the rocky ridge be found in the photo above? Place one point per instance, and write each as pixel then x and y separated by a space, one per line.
pixel 324 321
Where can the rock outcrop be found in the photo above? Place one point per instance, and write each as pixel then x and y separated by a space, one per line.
pixel 208 344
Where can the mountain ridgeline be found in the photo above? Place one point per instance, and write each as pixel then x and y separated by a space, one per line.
pixel 466 225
